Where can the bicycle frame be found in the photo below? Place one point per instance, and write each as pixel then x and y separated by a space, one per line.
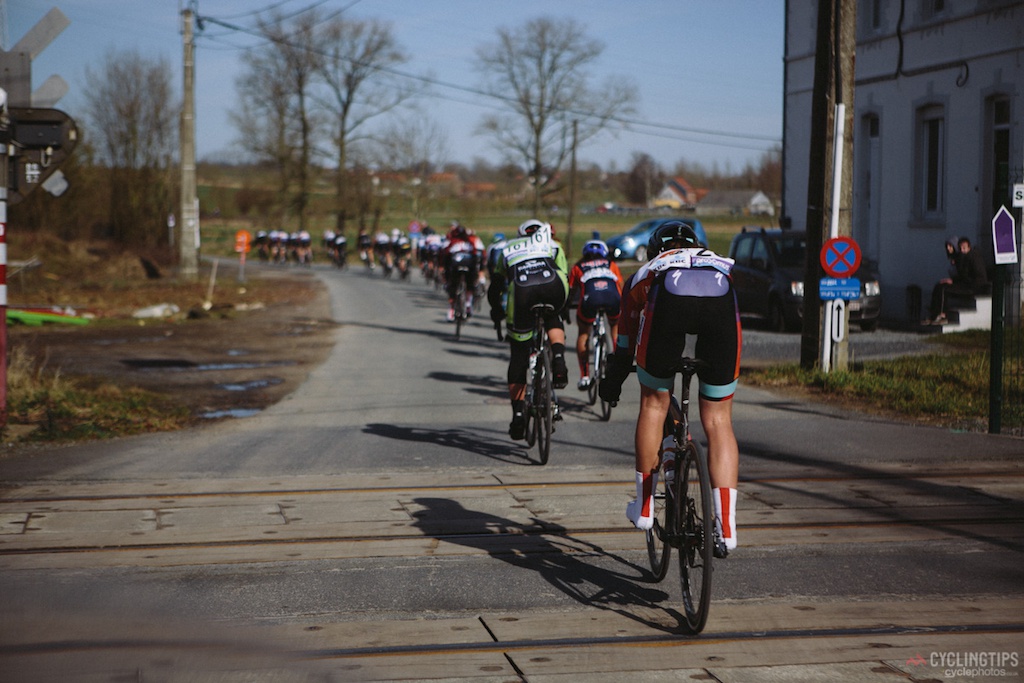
pixel 600 347
pixel 541 401
pixel 685 519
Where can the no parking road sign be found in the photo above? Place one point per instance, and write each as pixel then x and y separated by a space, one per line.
pixel 840 257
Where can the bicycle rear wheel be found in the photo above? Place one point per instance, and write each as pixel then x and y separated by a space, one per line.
pixel 545 405
pixel 460 307
pixel 695 519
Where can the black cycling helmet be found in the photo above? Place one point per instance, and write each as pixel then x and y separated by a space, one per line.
pixel 673 231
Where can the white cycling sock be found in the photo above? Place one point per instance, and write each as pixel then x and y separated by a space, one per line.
pixel 641 511
pixel 725 515
pixel 668 457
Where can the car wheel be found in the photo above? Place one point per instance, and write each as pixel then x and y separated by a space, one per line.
pixel 640 254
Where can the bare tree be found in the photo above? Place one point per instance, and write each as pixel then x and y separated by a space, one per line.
pixel 359 86
pixel 644 179
pixel 299 48
pixel 265 122
pixel 540 70
pixel 133 119
pixel 415 145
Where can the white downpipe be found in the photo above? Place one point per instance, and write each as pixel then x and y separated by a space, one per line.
pixel 837 175
pixel 837 167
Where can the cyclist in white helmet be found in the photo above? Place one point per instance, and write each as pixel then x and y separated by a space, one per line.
pixel 531 269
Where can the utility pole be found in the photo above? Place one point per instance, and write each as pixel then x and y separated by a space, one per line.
pixel 831 149
pixel 572 193
pixel 189 249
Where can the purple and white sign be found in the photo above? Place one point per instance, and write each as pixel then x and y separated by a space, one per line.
pixel 1004 237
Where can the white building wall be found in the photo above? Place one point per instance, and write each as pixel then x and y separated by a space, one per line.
pixel 958 59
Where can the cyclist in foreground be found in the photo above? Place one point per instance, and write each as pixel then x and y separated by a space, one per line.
pixel 683 289
pixel 597 282
pixel 531 269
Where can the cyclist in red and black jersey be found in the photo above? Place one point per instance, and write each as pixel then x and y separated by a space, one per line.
pixel 684 289
pixel 595 282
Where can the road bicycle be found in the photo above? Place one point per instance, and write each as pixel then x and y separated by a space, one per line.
pixel 541 409
pixel 684 514
pixel 599 347
pixel 460 302
pixel 479 296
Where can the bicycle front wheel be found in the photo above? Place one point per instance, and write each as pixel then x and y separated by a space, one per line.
pixel 530 412
pixel 596 355
pixel 659 548
pixel 695 519
pixel 544 401
pixel 601 369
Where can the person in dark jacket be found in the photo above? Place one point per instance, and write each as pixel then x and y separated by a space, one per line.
pixel 971 279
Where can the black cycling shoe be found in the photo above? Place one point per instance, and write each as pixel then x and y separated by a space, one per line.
pixel 720 551
pixel 517 428
pixel 559 373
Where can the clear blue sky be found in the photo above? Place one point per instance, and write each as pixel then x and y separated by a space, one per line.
pixel 700 65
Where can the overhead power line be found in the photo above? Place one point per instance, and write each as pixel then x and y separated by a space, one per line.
pixel 657 126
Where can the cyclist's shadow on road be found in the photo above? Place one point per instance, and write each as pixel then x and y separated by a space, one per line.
pixel 555 555
pixel 458 439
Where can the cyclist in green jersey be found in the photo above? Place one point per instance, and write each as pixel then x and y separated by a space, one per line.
pixel 531 269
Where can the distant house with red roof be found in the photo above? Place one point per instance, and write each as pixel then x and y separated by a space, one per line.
pixel 677 194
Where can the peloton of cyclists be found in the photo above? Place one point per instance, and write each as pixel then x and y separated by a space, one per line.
pixel 595 282
pixel 683 289
pixel 532 269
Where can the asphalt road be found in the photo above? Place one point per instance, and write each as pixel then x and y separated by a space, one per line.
pixel 379 524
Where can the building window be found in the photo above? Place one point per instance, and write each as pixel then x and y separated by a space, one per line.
pixel 931 158
pixel 999 117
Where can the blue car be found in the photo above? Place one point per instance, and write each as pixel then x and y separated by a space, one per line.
pixel 633 243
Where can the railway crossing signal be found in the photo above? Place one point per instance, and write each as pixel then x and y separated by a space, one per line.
pixel 36 138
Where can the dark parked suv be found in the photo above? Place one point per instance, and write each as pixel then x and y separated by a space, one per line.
pixel 769 280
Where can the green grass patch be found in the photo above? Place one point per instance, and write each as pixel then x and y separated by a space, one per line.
pixel 950 389
pixel 61 409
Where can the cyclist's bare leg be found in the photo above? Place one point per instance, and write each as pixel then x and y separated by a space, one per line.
pixel 723 451
pixel 653 409
pixel 723 465
pixel 581 345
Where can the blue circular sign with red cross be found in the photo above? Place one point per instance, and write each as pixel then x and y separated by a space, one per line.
pixel 840 257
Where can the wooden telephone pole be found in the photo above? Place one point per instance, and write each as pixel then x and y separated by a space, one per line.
pixel 830 181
